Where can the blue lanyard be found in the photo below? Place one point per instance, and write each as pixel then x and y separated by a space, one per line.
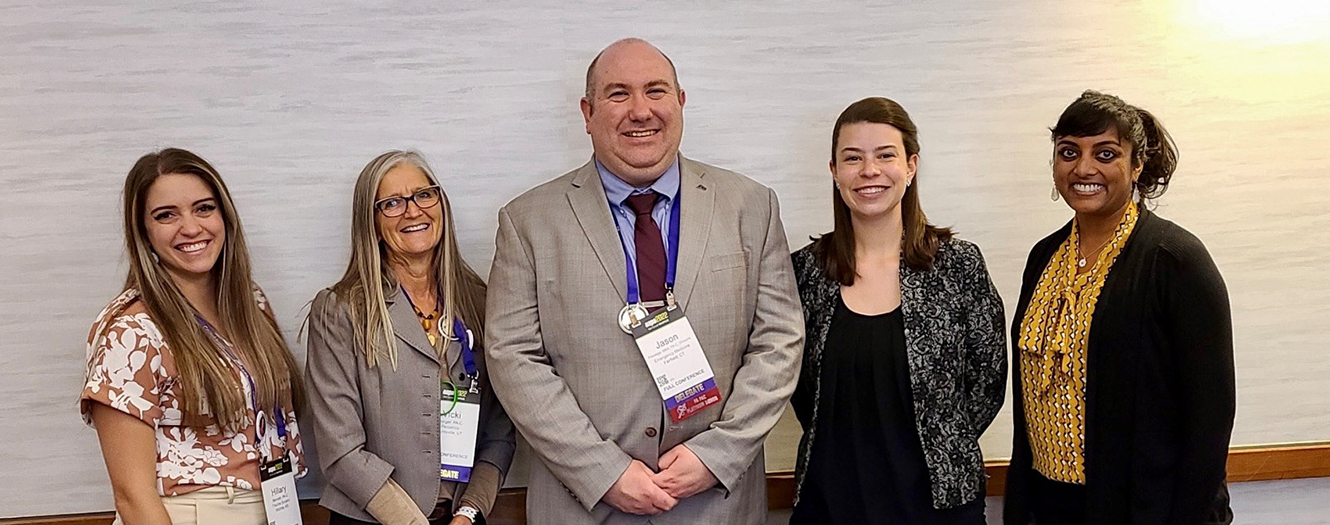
pixel 468 357
pixel 468 362
pixel 671 256
pixel 253 387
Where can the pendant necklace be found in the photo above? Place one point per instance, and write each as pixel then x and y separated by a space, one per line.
pixel 1081 259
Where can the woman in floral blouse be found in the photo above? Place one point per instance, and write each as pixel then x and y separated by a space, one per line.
pixel 189 383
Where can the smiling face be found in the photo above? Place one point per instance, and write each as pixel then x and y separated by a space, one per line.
pixel 634 112
pixel 184 225
pixel 872 169
pixel 417 230
pixel 1094 174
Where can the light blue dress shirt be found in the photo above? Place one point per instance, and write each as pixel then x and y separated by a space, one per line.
pixel 617 192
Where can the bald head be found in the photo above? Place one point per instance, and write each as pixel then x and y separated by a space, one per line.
pixel 614 49
pixel 634 110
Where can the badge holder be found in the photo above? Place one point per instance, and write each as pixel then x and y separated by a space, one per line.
pixel 672 352
pixel 278 483
pixel 459 416
pixel 678 365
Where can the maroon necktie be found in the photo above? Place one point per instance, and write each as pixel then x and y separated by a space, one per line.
pixel 650 248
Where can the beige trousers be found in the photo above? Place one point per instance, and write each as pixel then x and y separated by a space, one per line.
pixel 215 506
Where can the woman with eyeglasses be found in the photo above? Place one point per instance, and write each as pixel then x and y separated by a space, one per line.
pixel 190 386
pixel 409 430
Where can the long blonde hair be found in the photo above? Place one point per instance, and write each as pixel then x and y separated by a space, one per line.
pixel 364 288
pixel 210 386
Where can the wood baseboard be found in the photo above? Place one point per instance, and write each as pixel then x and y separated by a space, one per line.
pixel 1254 463
pixel 1264 463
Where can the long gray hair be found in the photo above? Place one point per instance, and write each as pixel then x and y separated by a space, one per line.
pixel 364 288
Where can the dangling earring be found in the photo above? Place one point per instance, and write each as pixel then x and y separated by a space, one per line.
pixel 1054 195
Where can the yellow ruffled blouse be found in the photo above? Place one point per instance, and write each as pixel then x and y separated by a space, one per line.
pixel 1055 331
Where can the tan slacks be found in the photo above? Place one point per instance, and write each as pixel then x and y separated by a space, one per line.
pixel 215 506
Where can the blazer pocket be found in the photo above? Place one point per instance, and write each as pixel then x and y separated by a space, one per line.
pixel 728 261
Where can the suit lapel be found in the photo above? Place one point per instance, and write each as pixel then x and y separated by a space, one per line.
pixel 406 326
pixel 593 214
pixel 694 227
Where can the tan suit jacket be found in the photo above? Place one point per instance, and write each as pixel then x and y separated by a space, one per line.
pixel 577 387
pixel 372 423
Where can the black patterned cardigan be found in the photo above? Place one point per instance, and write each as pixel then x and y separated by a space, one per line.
pixel 957 352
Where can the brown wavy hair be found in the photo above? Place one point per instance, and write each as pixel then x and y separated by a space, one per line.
pixel 835 251
pixel 211 388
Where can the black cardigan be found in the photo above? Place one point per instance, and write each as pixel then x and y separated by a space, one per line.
pixel 1159 397
pixel 957 353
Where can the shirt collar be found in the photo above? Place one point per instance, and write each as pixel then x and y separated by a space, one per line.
pixel 617 191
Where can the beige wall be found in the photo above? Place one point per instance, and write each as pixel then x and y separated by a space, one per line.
pixel 290 101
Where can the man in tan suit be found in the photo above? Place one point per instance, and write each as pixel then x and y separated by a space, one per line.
pixel 571 253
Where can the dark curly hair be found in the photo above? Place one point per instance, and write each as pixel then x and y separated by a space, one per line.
pixel 1152 148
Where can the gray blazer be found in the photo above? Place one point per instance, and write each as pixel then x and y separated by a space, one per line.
pixel 576 385
pixel 373 423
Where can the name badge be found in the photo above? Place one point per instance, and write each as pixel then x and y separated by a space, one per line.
pixel 278 483
pixel 674 356
pixel 459 421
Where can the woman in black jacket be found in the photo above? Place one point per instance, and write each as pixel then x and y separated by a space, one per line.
pixel 905 357
pixel 1122 376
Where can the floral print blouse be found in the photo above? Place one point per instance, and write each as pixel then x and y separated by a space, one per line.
pixel 131 369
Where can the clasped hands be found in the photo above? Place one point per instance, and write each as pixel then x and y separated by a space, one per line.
pixel 639 490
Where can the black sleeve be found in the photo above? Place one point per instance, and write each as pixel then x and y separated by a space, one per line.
pixel 1200 331
pixel 802 400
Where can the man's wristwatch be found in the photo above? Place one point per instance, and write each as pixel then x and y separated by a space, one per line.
pixel 469 512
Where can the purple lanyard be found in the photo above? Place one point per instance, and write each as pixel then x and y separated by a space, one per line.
pixel 468 357
pixel 253 387
pixel 671 256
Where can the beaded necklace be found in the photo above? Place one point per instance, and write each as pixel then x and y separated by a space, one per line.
pixel 427 320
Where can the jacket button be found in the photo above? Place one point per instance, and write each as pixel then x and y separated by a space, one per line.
pixel 651 432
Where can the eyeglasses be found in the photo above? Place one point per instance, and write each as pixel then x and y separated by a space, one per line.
pixel 427 197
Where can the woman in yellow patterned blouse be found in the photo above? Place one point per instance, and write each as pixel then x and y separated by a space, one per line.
pixel 1122 376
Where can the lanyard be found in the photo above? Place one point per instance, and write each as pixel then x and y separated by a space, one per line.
pixel 253 387
pixel 671 256
pixel 464 337
pixel 468 362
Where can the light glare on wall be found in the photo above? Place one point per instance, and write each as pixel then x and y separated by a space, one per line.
pixel 1270 21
